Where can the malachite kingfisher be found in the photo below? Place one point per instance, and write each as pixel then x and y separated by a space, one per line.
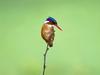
pixel 48 32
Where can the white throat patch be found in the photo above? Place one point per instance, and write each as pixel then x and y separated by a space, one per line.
pixel 50 25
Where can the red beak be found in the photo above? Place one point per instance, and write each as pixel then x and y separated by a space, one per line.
pixel 58 27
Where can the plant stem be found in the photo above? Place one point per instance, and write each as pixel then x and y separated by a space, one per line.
pixel 44 65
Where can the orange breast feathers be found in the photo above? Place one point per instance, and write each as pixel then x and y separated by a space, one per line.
pixel 47 33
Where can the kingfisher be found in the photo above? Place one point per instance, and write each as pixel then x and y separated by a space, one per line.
pixel 48 32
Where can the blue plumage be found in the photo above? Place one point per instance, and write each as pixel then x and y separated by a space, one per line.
pixel 51 19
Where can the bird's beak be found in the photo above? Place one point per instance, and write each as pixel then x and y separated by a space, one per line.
pixel 58 27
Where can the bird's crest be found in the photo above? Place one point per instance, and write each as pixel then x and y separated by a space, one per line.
pixel 51 19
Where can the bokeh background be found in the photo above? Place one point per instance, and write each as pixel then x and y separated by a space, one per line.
pixel 76 50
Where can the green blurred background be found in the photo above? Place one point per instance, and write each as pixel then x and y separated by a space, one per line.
pixel 76 50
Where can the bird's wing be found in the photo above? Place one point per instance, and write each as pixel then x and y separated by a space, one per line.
pixel 51 39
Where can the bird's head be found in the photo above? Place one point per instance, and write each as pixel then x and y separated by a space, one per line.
pixel 52 21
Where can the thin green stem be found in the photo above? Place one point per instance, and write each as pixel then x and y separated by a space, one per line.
pixel 44 64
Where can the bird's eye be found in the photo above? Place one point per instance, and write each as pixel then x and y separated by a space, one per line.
pixel 55 22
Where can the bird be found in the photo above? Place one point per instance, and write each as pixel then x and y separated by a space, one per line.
pixel 47 30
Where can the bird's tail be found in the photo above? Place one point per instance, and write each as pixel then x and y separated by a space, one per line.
pixel 50 44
